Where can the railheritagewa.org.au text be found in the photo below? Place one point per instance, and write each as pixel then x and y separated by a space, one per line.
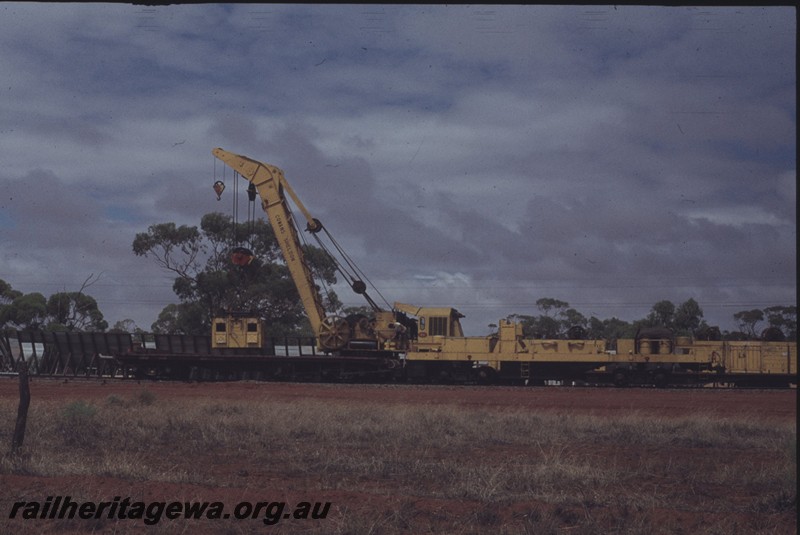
pixel 151 513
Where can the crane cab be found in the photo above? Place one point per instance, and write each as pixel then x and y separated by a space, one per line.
pixel 433 325
pixel 237 331
pixel 439 321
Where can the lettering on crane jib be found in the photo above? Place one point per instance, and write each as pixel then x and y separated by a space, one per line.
pixel 288 248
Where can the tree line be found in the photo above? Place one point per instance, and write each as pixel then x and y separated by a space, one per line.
pixel 559 320
pixel 208 283
pixel 62 311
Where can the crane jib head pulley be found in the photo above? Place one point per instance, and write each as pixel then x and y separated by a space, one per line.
pixel 314 225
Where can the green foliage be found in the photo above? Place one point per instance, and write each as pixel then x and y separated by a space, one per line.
pixel 7 293
pixel 573 318
pixel 79 412
pixel 402 450
pixel 557 319
pixel 610 329
pixel 563 324
pixel 125 326
pixel 146 397
pixel 783 318
pixel 182 318
pixel 208 284
pixel 662 315
pixel 561 321
pixel 78 425
pixel 362 310
pixel 116 401
pixel 546 304
pixel 28 311
pixel 74 311
pixel 546 327
pixel 686 319
pixel 67 311
pixel 779 318
pixel 162 240
pixel 748 321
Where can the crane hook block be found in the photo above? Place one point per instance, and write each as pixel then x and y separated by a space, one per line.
pixel 242 256
pixel 219 187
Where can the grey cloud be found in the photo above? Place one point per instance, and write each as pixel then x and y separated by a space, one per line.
pixel 612 158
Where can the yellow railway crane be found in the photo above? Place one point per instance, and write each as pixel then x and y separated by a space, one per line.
pixel 434 346
pixel 333 332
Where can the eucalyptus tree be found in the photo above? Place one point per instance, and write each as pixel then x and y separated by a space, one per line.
pixel 210 278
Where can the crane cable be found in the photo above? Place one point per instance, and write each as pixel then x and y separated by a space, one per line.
pixel 235 211
pixel 357 274
pixel 327 291
pixel 251 211
pixel 353 277
pixel 250 226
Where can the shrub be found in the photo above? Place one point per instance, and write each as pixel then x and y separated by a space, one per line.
pixel 116 401
pixel 78 424
pixel 146 397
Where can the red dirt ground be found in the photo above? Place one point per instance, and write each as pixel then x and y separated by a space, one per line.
pixel 772 404
pixel 777 405
pixel 769 404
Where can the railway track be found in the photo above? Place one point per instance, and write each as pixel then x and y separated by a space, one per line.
pixel 124 356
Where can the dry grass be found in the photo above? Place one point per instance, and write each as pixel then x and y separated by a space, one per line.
pixel 516 472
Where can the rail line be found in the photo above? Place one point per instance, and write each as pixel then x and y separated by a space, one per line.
pixel 142 356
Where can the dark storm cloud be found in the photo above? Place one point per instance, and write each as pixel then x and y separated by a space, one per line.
pixel 56 236
pixel 344 193
pixel 473 155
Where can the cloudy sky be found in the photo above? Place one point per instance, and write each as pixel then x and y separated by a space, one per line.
pixel 475 156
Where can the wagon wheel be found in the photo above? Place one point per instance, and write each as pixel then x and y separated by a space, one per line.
pixel 621 378
pixel 334 333
pixel 661 379
pixel 485 375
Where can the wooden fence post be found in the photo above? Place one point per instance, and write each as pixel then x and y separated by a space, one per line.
pixel 22 411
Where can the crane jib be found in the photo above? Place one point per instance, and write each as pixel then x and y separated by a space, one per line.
pixel 333 332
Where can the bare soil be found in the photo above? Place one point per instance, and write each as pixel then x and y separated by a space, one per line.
pixel 376 507
pixel 602 401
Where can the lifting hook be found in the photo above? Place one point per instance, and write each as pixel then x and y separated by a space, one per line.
pixel 219 187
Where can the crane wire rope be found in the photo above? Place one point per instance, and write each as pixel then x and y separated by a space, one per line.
pixel 235 210
pixel 249 228
pixel 312 268
pixel 359 274
pixel 353 276
pixel 251 212
pixel 346 275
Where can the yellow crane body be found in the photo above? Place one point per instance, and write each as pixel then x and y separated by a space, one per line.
pixel 435 341
pixel 271 185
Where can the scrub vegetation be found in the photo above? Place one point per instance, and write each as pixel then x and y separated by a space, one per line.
pixel 441 468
